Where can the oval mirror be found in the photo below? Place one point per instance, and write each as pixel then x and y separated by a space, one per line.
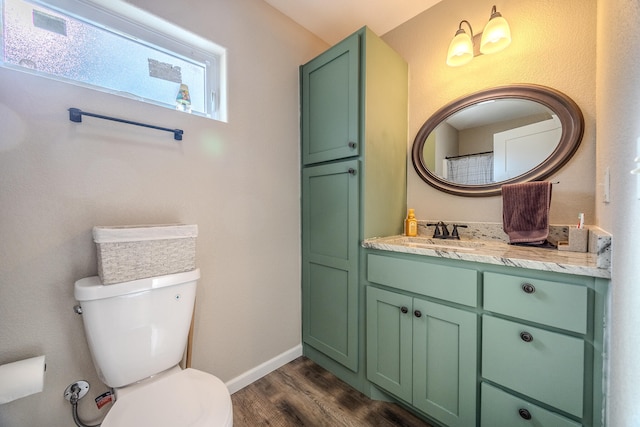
pixel 504 135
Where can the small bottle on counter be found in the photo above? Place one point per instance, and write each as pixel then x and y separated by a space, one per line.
pixel 411 224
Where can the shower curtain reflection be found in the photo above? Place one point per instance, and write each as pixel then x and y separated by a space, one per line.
pixel 472 169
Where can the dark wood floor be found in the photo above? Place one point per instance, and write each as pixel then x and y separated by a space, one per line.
pixel 302 393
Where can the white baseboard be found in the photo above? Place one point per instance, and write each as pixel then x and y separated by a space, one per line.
pixel 243 380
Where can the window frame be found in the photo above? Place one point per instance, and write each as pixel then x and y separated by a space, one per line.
pixel 136 24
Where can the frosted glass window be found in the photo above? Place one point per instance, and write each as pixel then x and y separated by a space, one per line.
pixel 51 42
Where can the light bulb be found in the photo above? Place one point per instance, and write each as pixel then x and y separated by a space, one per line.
pixel 460 50
pixel 496 35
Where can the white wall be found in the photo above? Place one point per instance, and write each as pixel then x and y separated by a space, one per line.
pixel 544 50
pixel 238 181
pixel 618 92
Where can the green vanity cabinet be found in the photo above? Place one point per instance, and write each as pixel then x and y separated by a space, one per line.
pixel 421 350
pixel 472 344
pixel 542 349
pixel 353 155
pixel 425 353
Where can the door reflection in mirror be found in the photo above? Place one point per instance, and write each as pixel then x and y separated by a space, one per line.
pixel 492 141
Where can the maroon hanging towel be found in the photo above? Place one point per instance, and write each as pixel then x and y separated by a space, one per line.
pixel 525 212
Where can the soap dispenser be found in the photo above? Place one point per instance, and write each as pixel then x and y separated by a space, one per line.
pixel 411 224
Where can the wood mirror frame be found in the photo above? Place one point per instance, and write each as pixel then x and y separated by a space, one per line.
pixel 564 107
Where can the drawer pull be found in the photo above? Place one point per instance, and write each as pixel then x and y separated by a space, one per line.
pixel 404 310
pixel 417 313
pixel 524 414
pixel 526 336
pixel 528 288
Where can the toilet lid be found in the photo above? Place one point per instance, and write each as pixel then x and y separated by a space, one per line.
pixel 187 398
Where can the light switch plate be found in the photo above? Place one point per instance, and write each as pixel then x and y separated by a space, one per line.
pixel 607 186
pixel 636 170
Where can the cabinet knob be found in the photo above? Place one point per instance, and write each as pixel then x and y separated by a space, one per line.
pixel 528 288
pixel 524 414
pixel 352 171
pixel 417 313
pixel 526 336
pixel 352 145
pixel 404 310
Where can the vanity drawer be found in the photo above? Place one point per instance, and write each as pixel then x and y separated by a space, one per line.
pixel 500 409
pixel 550 303
pixel 549 367
pixel 453 284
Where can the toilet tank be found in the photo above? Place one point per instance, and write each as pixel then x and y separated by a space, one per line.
pixel 139 328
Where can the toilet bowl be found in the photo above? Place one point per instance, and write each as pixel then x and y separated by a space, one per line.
pixel 176 398
pixel 137 332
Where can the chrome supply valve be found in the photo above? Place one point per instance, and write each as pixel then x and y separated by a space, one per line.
pixel 76 391
pixel 77 309
pixel 73 394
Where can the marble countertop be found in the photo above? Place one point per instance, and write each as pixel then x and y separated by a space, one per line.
pixel 496 252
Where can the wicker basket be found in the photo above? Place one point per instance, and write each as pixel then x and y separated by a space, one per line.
pixel 137 252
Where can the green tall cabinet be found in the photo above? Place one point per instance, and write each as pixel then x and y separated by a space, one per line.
pixel 354 145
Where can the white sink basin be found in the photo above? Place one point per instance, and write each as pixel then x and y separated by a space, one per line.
pixel 437 244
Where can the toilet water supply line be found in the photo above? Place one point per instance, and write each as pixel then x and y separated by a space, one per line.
pixel 73 399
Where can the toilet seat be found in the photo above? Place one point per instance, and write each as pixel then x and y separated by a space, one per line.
pixel 186 398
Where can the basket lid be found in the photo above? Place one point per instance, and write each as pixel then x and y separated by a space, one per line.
pixel 91 288
pixel 136 233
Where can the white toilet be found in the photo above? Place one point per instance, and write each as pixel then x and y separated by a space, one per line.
pixel 137 332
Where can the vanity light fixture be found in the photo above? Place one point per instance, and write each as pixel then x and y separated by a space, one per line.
pixel 495 37
pixel 461 47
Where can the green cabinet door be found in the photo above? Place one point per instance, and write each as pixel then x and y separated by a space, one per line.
pixel 445 349
pixel 424 353
pixel 330 86
pixel 330 224
pixel 389 341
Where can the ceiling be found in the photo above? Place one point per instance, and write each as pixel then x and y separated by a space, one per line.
pixel 333 20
